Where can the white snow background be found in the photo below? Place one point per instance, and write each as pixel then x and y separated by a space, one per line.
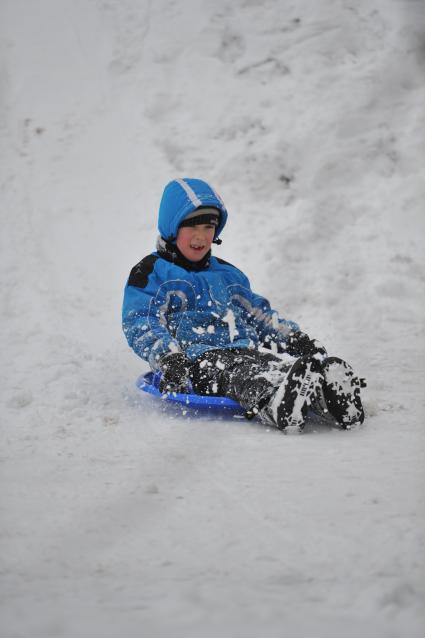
pixel 122 517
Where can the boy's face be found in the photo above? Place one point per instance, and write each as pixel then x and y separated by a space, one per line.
pixel 195 241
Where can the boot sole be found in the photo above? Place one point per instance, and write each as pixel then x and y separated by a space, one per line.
pixel 342 393
pixel 294 395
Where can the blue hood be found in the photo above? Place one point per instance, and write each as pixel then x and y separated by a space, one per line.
pixel 181 197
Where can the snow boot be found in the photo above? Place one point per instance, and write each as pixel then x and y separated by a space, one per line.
pixel 341 392
pixel 290 401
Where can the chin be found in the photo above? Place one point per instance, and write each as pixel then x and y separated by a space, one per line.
pixel 197 256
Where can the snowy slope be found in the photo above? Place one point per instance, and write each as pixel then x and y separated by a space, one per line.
pixel 119 515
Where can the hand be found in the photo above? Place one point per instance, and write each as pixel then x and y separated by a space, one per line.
pixel 299 344
pixel 175 372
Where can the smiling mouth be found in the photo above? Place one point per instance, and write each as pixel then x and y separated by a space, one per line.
pixel 197 247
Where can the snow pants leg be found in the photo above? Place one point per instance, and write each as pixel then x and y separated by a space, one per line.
pixel 252 378
pixel 245 375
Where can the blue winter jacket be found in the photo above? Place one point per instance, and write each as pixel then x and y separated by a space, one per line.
pixel 174 305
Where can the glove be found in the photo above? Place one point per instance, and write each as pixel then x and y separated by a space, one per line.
pixel 175 372
pixel 298 344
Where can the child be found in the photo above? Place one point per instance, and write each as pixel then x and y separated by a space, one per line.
pixel 195 318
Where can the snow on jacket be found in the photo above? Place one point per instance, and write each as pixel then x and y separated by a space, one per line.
pixel 174 305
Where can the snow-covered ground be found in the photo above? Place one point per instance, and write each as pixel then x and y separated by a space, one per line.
pixel 122 517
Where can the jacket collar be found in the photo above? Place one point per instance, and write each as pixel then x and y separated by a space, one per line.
pixel 171 253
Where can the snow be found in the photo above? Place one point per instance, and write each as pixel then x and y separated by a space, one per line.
pixel 229 318
pixel 120 514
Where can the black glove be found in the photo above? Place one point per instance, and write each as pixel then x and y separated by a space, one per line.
pixel 298 344
pixel 175 372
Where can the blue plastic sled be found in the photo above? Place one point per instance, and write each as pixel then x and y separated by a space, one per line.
pixel 149 382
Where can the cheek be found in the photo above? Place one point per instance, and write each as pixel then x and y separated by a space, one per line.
pixel 183 238
pixel 210 236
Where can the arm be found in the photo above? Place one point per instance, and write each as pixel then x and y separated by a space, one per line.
pixel 273 331
pixel 281 335
pixel 143 318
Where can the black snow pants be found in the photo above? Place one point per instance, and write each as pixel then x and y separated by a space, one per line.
pixel 245 375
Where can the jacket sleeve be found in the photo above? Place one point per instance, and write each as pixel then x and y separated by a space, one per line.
pixel 281 335
pixel 273 331
pixel 143 319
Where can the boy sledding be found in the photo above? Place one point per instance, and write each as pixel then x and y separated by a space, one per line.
pixel 195 318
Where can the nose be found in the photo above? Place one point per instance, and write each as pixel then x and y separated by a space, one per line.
pixel 201 233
